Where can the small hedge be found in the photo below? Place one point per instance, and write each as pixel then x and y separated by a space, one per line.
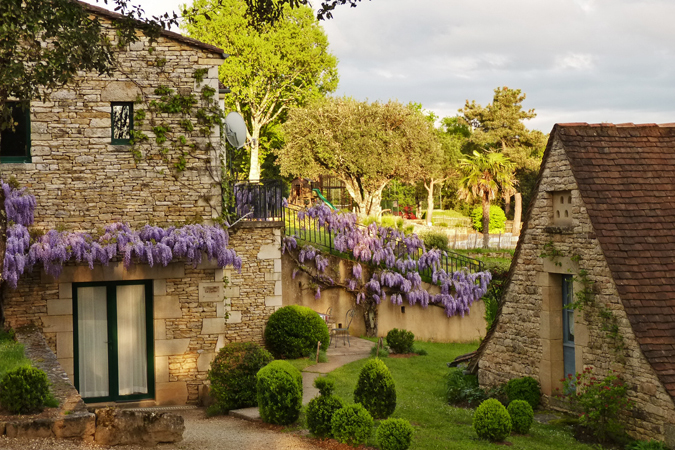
pixel 279 386
pixel 232 375
pixel 352 425
pixel 400 341
pixel 394 434
pixel 525 388
pixel 435 240
pixel 497 219
pixel 24 390
pixel 320 410
pixel 491 421
pixel 293 331
pixel 522 416
pixel 375 389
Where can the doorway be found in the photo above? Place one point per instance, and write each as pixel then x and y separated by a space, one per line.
pixel 568 326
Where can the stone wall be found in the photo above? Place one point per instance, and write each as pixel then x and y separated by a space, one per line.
pixel 527 340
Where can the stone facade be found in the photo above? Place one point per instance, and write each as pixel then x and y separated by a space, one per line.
pixel 527 340
pixel 81 182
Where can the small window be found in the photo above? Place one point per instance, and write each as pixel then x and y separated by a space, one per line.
pixel 15 144
pixel 122 122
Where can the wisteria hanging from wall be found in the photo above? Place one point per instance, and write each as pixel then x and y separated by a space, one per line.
pixel 151 244
pixel 395 260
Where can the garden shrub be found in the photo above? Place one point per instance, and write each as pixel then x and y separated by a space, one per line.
pixel 497 219
pixel 352 425
pixel 279 386
pixel 525 388
pixel 232 375
pixel 320 410
pixel 491 421
pixel 463 388
pixel 394 434
pixel 325 385
pixel 435 240
pixel 400 341
pixel 647 445
pixel 24 390
pixel 375 389
pixel 522 416
pixel 293 332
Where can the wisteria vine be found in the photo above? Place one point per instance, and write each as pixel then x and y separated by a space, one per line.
pixel 151 244
pixel 395 260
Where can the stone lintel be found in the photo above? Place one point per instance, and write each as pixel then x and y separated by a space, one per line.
pixel 116 272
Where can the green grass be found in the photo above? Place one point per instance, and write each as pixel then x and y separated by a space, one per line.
pixel 301 363
pixel 420 389
pixel 11 357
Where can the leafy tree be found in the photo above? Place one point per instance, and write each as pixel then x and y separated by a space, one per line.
pixel 485 174
pixel 499 127
pixel 365 145
pixel 270 69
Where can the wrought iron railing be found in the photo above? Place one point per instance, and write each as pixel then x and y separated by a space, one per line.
pixel 259 201
pixel 307 230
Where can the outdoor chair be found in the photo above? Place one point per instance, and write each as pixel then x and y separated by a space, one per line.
pixel 344 331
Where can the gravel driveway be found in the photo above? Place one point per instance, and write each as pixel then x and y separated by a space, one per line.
pixel 221 432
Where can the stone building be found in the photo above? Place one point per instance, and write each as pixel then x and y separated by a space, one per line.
pixel 599 231
pixel 73 152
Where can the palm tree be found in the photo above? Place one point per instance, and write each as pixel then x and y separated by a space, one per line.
pixel 485 174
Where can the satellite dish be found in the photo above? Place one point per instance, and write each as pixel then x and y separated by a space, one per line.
pixel 235 130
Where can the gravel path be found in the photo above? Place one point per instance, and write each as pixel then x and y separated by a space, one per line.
pixel 216 433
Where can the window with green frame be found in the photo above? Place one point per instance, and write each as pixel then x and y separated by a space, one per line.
pixel 122 122
pixel 15 143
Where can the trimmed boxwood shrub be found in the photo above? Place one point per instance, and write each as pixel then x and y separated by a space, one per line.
pixel 497 219
pixel 525 388
pixel 394 434
pixel 232 374
pixel 400 341
pixel 293 331
pixel 320 410
pixel 352 425
pixel 24 390
pixel 279 393
pixel 375 389
pixel 491 421
pixel 435 240
pixel 522 416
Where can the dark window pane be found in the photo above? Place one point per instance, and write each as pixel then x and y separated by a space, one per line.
pixel 121 123
pixel 15 143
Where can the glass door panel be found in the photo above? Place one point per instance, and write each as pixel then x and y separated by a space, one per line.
pixel 92 326
pixel 568 326
pixel 132 354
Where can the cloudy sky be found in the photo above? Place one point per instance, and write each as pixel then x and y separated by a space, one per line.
pixel 577 60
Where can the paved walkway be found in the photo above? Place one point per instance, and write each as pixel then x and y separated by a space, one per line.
pixel 337 357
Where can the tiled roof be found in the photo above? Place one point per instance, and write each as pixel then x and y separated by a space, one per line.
pixel 626 177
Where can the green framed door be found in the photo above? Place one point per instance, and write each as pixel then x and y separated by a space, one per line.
pixel 113 340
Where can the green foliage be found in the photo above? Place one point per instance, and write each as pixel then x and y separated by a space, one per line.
pixel 435 240
pixel 199 74
pixel 293 332
pixel 352 425
pixel 497 219
pixel 11 357
pixel 325 385
pixel 400 341
pixel 233 374
pixel 601 402
pixel 525 388
pixel 382 354
pixel 24 390
pixel 522 416
pixel 647 445
pixel 279 387
pixel 491 421
pixel 463 388
pixel 392 222
pixel 7 335
pixel 320 412
pixel 375 389
pixel 394 434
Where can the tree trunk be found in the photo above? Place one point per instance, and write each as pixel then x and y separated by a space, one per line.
pixel 430 201
pixel 486 222
pixel 507 205
pixel 517 214
pixel 254 172
pixel 370 317
pixel 368 201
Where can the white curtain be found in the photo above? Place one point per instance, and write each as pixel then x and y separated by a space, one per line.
pixel 131 340
pixel 92 339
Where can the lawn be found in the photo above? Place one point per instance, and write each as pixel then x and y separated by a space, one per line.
pixel 11 355
pixel 420 389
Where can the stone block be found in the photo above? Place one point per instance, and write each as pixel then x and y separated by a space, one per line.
pixel 235 317
pixel 274 276
pixel 67 364
pixel 207 264
pixel 171 393
pixel 65 291
pixel 218 275
pixel 220 309
pixel 204 361
pixel 160 329
pixel 171 347
pixel 38 428
pixel 230 292
pixel 159 287
pixel 77 426
pixel 167 307
pixel 211 292
pixel 64 345
pixel 220 343
pixel 59 307
pixel 55 324
pixel 214 325
pixel 277 265
pixel 117 272
pixel 161 369
pixel 269 251
pixel 120 91
pixel 278 288
pixel 122 427
pixel 273 300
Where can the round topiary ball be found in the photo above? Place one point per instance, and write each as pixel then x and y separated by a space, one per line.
pixel 394 434
pixel 352 425
pixel 320 412
pixel 522 416
pixel 293 332
pixel 525 388
pixel 491 421
pixel 279 387
pixel 375 389
pixel 24 390
pixel 232 374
